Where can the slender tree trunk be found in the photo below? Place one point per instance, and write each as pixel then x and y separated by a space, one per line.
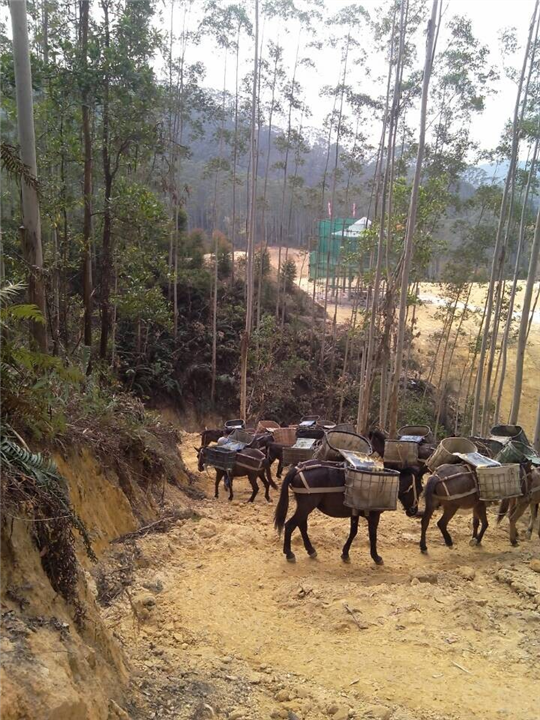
pixel 498 254
pixel 524 323
pixel 536 439
pixel 509 319
pixel 244 350
pixel 31 237
pixel 87 141
pixel 235 157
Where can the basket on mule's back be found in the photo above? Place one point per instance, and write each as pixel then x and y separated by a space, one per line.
pixel 266 425
pixel 371 489
pixel 445 452
pixel 517 452
pixel 420 431
pixel 337 440
pixel 506 433
pixel 284 436
pixel 498 483
pixel 401 453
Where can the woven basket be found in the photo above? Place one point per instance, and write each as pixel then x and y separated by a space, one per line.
pixel 498 483
pixel 247 462
pixel 232 424
pixel 241 436
pixel 284 436
pixel 505 433
pixel 264 425
pixel 295 455
pixel 310 418
pixel 326 424
pixel 517 452
pixel 371 490
pixel 400 453
pixel 219 457
pixel 337 440
pixel 422 430
pixel 346 427
pixel 445 451
pixel 487 446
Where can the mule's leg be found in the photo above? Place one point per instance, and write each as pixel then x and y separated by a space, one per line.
pixel 534 517
pixel 514 515
pixel 219 475
pixel 230 479
pixel 373 523
pixel 305 537
pixel 280 466
pixel 480 511
pixel 290 526
pixel 266 484
pixel 426 517
pixel 448 514
pixel 254 487
pixel 352 534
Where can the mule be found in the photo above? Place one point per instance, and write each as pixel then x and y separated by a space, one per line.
pixel 515 507
pixel 454 488
pixel 210 435
pixel 238 471
pixel 323 475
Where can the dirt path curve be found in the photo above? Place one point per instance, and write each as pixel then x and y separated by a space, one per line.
pixel 228 629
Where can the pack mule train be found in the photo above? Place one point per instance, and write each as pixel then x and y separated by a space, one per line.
pixel 240 470
pixel 327 476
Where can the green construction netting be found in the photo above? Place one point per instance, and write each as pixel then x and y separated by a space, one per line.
pixel 332 256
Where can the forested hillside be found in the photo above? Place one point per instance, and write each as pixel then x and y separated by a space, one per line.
pixel 146 174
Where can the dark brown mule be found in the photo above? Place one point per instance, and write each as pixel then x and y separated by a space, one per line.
pixel 210 435
pixel 515 507
pixel 454 488
pixel 328 475
pixel 238 471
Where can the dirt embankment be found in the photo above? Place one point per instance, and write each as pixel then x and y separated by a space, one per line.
pixel 51 668
pixel 225 628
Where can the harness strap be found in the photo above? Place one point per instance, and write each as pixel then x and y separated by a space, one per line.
pixel 455 497
pixel 315 491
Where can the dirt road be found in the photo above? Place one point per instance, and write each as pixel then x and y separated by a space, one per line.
pixel 225 628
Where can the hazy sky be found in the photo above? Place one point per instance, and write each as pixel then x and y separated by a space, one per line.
pixel 488 18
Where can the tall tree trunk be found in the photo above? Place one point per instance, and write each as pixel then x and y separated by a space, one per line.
pixel 524 323
pixel 31 238
pixel 87 186
pixel 411 223
pixel 536 438
pixel 235 156
pixel 498 253
pixel 244 349
pixel 107 254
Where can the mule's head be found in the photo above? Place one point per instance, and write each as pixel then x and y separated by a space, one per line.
pixel 200 459
pixel 377 438
pixel 410 489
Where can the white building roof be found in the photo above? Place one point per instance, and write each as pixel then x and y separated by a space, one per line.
pixel 355 229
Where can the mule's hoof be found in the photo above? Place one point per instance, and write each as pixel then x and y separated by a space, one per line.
pixel 514 543
pixel 346 559
pixel 423 550
pixel 450 546
pixel 313 555
pixel 473 542
pixel 379 561
pixel 291 558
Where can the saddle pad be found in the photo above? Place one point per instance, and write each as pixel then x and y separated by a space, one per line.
pixel 307 423
pixel 477 460
pixel 233 445
pixel 412 438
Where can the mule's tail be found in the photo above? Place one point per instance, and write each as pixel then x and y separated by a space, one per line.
pixel 283 502
pixel 503 509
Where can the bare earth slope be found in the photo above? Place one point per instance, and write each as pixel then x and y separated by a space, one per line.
pixel 226 628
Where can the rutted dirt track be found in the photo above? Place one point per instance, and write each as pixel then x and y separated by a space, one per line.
pixel 226 628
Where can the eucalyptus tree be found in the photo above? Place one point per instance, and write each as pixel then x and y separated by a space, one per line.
pixel 31 222
pixel 85 83
pixel 499 249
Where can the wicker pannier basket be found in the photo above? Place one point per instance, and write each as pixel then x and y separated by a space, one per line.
pixel 337 440
pixel 400 453
pixel 248 462
pixel 487 446
pixel 265 425
pixel 219 457
pixel 284 436
pixel 233 424
pixel 444 452
pixel 241 436
pixel 517 452
pixel 371 490
pixel 301 451
pixel 423 431
pixel 498 483
pixel 505 433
